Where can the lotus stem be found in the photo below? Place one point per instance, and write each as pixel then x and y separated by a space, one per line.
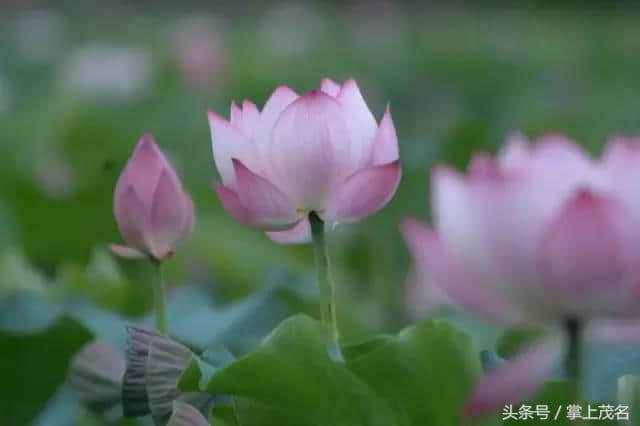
pixel 326 287
pixel 159 302
pixel 574 355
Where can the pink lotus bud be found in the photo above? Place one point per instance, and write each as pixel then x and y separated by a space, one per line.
pixel 320 152
pixel 153 212
pixel 541 233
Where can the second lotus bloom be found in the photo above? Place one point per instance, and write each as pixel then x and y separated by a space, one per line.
pixel 321 152
pixel 542 233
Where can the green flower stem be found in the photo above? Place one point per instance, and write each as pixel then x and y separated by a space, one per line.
pixel 574 356
pixel 327 289
pixel 159 303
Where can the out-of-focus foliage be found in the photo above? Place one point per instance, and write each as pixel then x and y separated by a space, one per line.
pixel 79 84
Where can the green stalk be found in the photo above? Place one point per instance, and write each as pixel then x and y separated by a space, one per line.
pixel 574 356
pixel 159 303
pixel 327 289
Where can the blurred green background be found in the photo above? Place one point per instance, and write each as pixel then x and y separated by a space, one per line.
pixel 81 82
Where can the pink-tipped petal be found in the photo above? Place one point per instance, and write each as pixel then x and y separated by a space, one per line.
pixel 235 115
pixel 250 118
pixel 588 250
pixel 126 252
pixel 310 149
pixel 464 290
pixel 169 213
pixel 360 121
pixel 351 97
pixel 229 142
pixel 133 223
pixel 232 204
pixel 519 378
pixel 515 151
pixel 269 208
pixel 364 193
pixel 142 170
pixel 299 234
pixel 329 87
pixel 385 141
pixel 245 119
pixel 281 98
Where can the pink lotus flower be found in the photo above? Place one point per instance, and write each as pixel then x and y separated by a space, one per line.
pixel 153 212
pixel 320 152
pixel 542 233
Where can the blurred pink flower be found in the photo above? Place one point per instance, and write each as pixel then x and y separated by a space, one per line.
pixel 541 233
pixel 320 152
pixel 153 212
pixel 199 46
